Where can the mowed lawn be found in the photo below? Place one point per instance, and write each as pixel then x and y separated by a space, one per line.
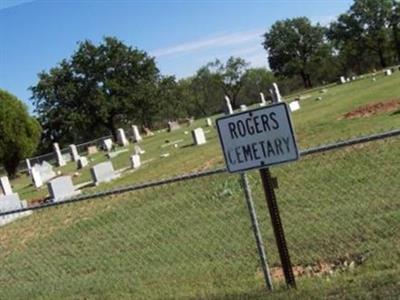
pixel 193 239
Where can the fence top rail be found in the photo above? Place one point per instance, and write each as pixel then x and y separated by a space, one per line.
pixel 188 176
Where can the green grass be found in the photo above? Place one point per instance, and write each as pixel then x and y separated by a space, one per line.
pixel 193 239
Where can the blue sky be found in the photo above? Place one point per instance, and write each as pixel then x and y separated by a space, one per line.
pixel 182 35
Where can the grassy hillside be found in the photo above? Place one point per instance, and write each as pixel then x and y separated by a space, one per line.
pixel 193 239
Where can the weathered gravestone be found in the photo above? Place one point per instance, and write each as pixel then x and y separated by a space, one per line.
pixel 9 203
pixel 92 150
pixel 28 165
pixel 173 125
pixel 388 72
pixel 59 156
pixel 107 144
pixel 199 137
pixel 61 188
pixel 135 161
pixel 243 107
pixel 121 137
pixel 74 152
pixel 5 187
pixel 228 105
pixel 275 94
pixel 36 178
pixel 209 122
pixel 103 172
pixel 342 80
pixel 41 173
pixel 82 162
pixel 136 134
pixel 263 101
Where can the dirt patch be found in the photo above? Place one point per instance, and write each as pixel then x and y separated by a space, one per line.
pixel 372 109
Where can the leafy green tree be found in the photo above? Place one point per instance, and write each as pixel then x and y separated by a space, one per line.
pixel 95 91
pixel 255 81
pixel 395 25
pixel 19 132
pixel 293 45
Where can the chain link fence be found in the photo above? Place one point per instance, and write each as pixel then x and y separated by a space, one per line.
pixel 191 237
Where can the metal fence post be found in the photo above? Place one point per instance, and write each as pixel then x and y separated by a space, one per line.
pixel 256 231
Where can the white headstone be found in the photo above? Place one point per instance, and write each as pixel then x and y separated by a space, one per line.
pixel 136 134
pixel 82 162
pixel 294 105
pixel 209 122
pixel 138 150
pixel 342 79
pixel 348 79
pixel 60 158
pixel 28 164
pixel 62 188
pixel 263 101
pixel 228 104
pixel 135 161
pixel 10 203
pixel 122 140
pixel 199 137
pixel 91 150
pixel 37 179
pixel 173 125
pixel 276 95
pixel 5 187
pixel 107 144
pixel 388 72
pixel 103 172
pixel 74 152
pixel 243 107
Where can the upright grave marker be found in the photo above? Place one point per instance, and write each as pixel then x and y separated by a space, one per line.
pixel 136 135
pixel 257 139
pixel 60 158
pixel 5 186
pixel 122 140
pixel 74 152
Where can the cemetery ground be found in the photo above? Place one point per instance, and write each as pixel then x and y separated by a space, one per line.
pixel 185 240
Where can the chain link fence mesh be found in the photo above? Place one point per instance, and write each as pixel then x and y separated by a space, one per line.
pixel 193 238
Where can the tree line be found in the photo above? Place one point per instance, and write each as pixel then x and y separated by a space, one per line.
pixel 110 85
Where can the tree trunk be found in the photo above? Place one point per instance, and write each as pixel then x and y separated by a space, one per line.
pixel 309 81
pixel 304 77
pixel 381 58
pixel 396 40
pixel 112 127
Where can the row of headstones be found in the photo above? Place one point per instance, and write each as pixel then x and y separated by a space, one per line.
pixel 387 72
pixel 10 201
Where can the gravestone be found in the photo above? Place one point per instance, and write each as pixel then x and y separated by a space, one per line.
pixel 136 134
pixel 199 137
pixel 61 188
pixel 114 154
pixel 388 72
pixel 41 173
pixel 263 101
pixel 189 121
pixel 173 125
pixel 9 203
pixel 28 165
pixel 92 150
pixel 121 137
pixel 294 105
pixel 107 144
pixel 353 78
pixel 138 150
pixel 82 162
pixel 74 152
pixel 135 161
pixel 228 105
pixel 348 79
pixel 209 122
pixel 103 172
pixel 275 94
pixel 342 80
pixel 59 157
pixel 243 107
pixel 147 131
pixel 36 178
pixel 5 187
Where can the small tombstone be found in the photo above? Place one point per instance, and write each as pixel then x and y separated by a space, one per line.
pixel 263 101
pixel 135 161
pixel 82 162
pixel 138 151
pixel 173 125
pixel 62 188
pixel 9 203
pixel 28 165
pixel 388 72
pixel 60 158
pixel 136 134
pixel 147 131
pixel 107 145
pixel 243 107
pixel 228 105
pixel 74 152
pixel 92 150
pixel 342 80
pixel 323 91
pixel 353 78
pixel 275 94
pixel 5 186
pixel 294 105
pixel 121 137
pixel 103 172
pixel 199 137
pixel 209 122
pixel 190 121
pixel 348 79
pixel 319 98
pixel 36 178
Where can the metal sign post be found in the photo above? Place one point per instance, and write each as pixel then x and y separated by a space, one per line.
pixel 256 139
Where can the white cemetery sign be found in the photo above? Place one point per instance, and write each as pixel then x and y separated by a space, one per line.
pixel 62 188
pixel 198 136
pixel 122 140
pixel 136 135
pixel 60 158
pixel 5 187
pixel 74 152
pixel 257 138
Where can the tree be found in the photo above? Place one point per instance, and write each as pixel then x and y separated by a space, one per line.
pixel 99 88
pixel 19 132
pixel 256 80
pixel 395 24
pixel 293 45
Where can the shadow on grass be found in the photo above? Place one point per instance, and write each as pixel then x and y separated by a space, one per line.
pixel 397 112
